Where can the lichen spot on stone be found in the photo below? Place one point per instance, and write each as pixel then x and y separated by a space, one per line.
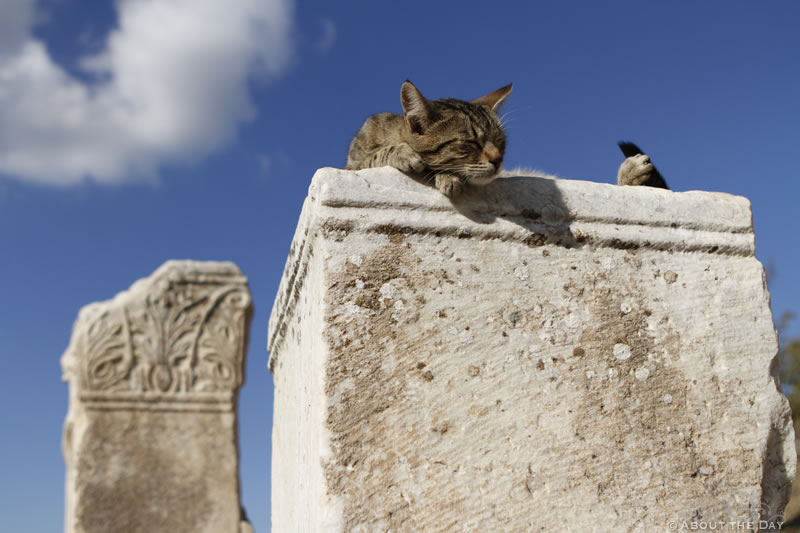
pixel 514 317
pixel 622 351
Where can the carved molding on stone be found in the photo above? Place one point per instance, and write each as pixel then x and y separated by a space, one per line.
pixel 178 335
pixel 534 211
pixel 557 348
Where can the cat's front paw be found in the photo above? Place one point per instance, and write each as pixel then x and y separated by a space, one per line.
pixel 635 170
pixel 449 185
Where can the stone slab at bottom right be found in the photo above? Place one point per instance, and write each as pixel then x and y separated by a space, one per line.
pixel 540 355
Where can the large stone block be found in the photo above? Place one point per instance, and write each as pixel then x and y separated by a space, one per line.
pixel 150 437
pixel 541 355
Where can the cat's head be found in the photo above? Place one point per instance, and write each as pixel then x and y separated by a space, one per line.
pixel 456 136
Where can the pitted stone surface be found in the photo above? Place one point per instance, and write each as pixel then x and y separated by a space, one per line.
pixel 150 437
pixel 543 354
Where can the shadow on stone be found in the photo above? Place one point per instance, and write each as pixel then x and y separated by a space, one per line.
pixel 533 203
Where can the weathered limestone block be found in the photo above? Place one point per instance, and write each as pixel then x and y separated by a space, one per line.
pixel 543 355
pixel 150 437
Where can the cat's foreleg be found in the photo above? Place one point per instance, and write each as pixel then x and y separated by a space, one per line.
pixel 400 156
pixel 405 159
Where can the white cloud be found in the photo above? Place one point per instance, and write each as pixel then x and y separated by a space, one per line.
pixel 264 163
pixel 16 19
pixel 170 85
pixel 328 37
pixel 276 162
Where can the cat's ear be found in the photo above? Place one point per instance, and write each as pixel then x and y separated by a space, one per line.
pixel 416 109
pixel 494 99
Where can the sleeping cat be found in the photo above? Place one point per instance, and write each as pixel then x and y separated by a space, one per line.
pixel 449 141
pixel 454 142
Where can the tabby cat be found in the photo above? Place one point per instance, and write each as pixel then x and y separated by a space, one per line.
pixel 454 142
pixel 450 142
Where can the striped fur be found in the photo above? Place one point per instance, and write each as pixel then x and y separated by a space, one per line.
pixel 448 142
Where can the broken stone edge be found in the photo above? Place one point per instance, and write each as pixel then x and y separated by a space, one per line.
pixel 530 210
pixel 81 401
pixel 172 271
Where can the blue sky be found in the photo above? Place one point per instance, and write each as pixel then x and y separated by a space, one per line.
pixel 137 131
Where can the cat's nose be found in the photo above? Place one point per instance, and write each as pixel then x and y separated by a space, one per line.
pixel 493 154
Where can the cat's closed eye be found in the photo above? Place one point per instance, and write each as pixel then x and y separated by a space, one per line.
pixel 469 147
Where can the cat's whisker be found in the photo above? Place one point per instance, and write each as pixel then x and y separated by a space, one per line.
pixel 429 177
pixel 506 123
pixel 511 112
pixel 503 117
pixel 446 168
pixel 517 109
